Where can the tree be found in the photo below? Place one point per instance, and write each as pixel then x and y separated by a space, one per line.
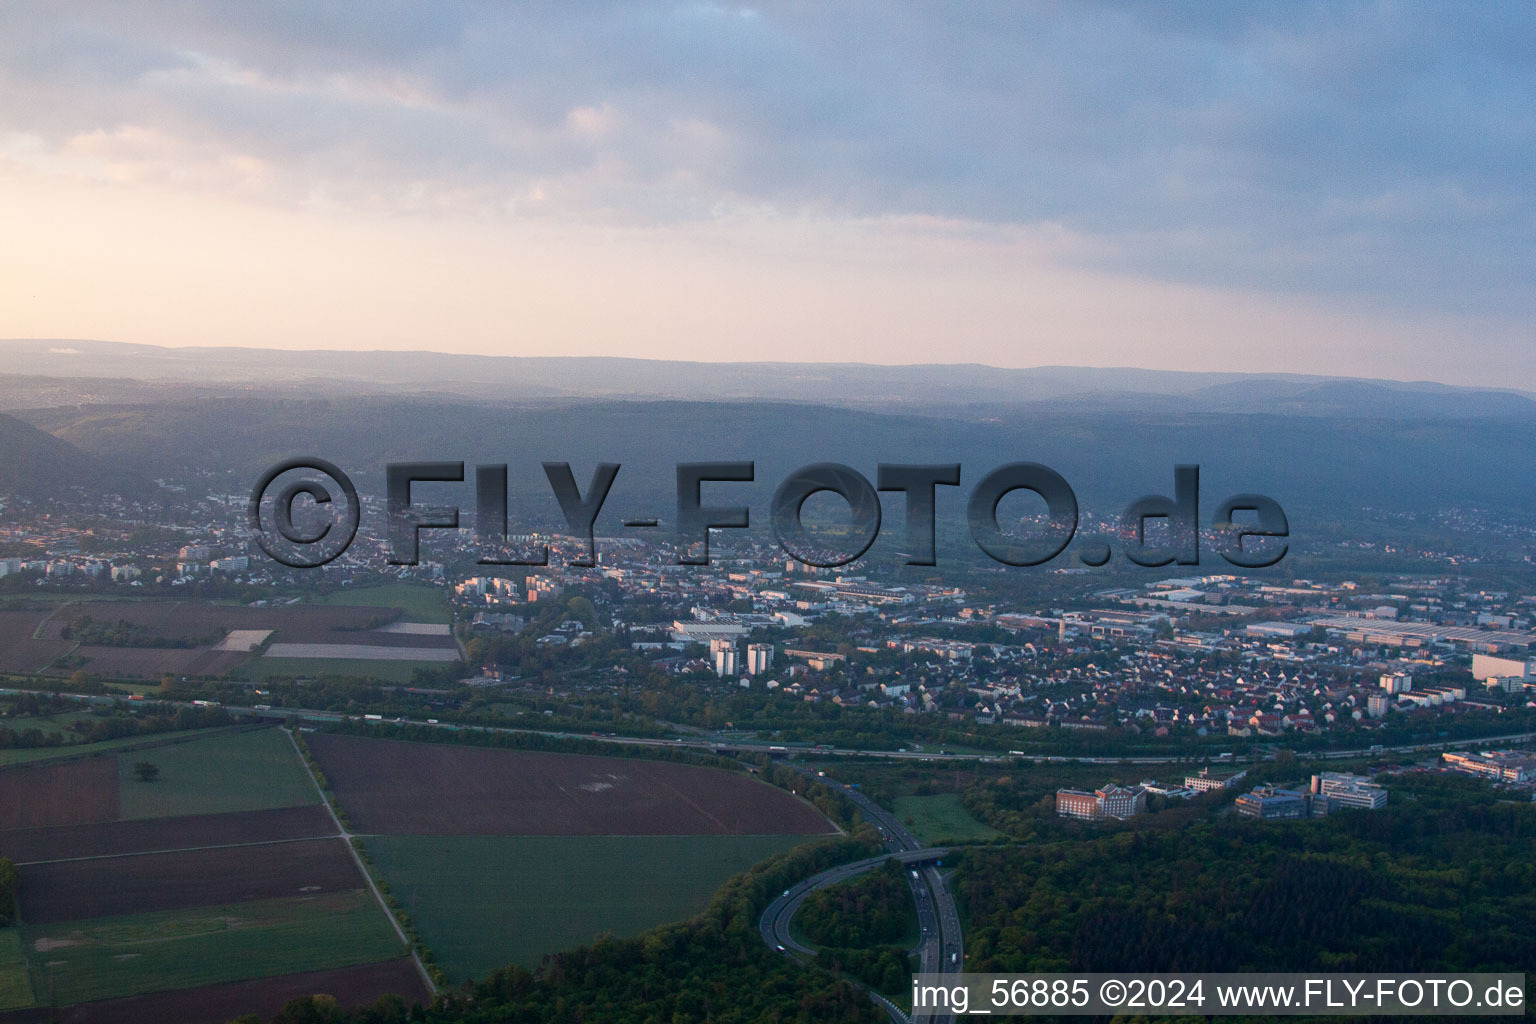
pixel 10 881
pixel 146 771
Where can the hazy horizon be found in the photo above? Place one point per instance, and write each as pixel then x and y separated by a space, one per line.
pixel 63 347
pixel 1341 191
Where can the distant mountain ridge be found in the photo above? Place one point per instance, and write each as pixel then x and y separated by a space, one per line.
pixel 969 390
pixel 225 414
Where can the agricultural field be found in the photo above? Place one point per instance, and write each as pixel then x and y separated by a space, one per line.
pixel 420 604
pixel 264 668
pixel 482 902
pixel 218 881
pixel 215 775
pixel 199 773
pixel 15 989
pixel 109 957
pixel 941 819
pixel 15 756
pixel 397 788
pixel 140 883
pixel 501 856
pixel 215 1004
pixel 150 835
pixel 20 651
pixel 69 793
pixel 223 878
pixel 152 662
pixel 150 638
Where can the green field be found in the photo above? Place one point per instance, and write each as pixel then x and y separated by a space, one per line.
pixel 251 770
pixel 941 819
pixel 482 902
pixel 421 604
pixel 120 956
pixel 28 755
pixel 260 669
pixel 15 990
pixel 48 724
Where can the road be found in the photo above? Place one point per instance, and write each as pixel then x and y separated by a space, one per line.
pixel 774 925
pixel 320 717
pixel 940 948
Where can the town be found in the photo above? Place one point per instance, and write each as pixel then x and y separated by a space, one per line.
pixel 1055 660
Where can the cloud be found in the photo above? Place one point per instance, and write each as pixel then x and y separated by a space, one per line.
pixel 1376 153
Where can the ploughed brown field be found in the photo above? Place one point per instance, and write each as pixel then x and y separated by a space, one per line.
pixel 148 835
pixel 215 1004
pixel 393 787
pixel 144 662
pixel 18 651
pixel 193 620
pixel 69 793
pixel 143 883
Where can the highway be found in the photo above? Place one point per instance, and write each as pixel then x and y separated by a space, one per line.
pixel 940 948
pixel 711 745
pixel 774 925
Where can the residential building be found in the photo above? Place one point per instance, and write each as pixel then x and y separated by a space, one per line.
pixel 759 658
pixel 723 653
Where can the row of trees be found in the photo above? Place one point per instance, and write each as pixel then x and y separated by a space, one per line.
pixel 113 725
pixel 10 884
pixel 123 633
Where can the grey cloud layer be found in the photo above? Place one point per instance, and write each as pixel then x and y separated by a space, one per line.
pixel 1380 150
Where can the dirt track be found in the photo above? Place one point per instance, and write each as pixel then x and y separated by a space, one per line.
pixel 147 835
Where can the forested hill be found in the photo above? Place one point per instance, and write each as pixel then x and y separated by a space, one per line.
pixel 1110 458
pixel 1441 880
pixel 35 464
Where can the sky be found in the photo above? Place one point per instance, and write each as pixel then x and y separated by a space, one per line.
pixel 1336 188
